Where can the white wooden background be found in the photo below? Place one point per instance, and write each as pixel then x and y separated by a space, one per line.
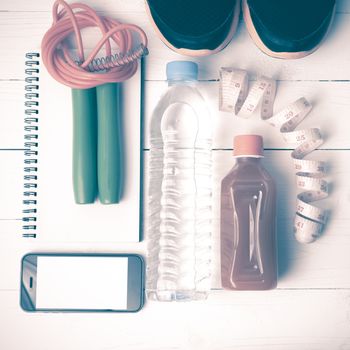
pixel 309 310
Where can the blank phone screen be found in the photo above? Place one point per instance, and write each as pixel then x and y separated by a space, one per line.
pixel 82 282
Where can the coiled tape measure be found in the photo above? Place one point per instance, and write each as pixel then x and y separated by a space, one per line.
pixel 235 97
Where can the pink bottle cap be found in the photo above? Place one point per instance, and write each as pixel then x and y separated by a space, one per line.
pixel 248 146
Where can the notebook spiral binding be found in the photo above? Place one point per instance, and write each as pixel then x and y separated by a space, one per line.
pixel 31 127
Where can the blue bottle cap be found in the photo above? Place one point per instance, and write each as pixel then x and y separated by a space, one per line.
pixel 182 70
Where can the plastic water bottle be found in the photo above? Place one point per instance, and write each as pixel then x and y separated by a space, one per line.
pixel 179 220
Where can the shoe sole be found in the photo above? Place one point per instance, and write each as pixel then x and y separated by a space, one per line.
pixel 259 43
pixel 202 52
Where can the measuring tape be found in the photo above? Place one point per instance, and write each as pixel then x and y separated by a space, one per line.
pixel 235 97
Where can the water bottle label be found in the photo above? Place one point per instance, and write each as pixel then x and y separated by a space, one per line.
pixel 236 97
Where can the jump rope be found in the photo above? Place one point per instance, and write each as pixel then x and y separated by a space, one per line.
pixel 95 91
pixel 97 141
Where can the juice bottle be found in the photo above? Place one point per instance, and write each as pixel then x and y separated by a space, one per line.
pixel 248 220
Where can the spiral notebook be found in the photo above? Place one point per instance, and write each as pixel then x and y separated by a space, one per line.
pixel 49 210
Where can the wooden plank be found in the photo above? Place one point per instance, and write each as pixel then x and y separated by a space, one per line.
pixel 301 266
pixel 101 5
pixel 281 320
pixel 331 102
pixel 12 248
pixel 306 319
pixel 327 63
pixel 323 264
pixel 343 6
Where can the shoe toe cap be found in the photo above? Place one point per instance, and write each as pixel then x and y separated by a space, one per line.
pixel 193 25
pixel 291 29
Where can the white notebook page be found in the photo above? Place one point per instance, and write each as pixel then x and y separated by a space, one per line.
pixel 59 218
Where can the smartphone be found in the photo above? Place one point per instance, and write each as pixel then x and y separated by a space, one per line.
pixel 82 282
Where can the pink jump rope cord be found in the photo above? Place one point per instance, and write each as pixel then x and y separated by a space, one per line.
pixel 66 70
